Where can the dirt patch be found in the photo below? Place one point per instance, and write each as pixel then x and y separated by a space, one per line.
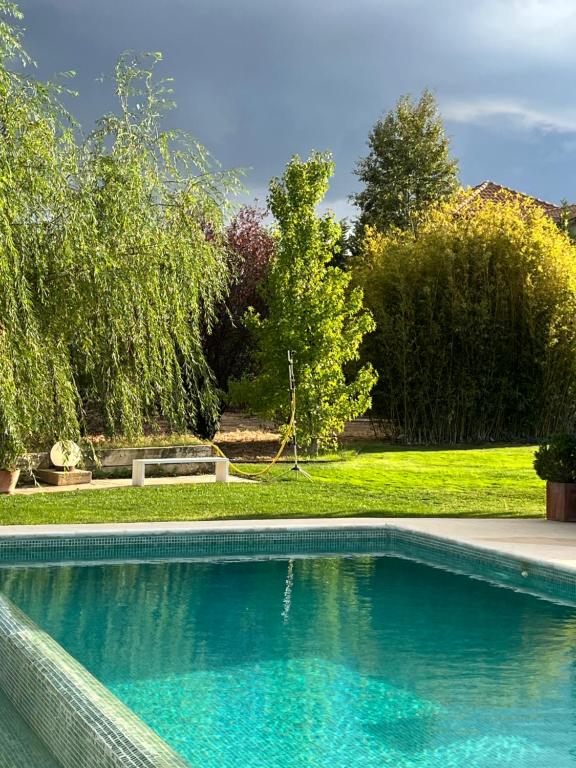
pixel 247 437
pixel 253 439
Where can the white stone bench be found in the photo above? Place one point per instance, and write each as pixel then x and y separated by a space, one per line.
pixel 222 466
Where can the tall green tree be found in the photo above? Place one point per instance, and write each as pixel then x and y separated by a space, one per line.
pixel 112 261
pixel 408 165
pixel 311 310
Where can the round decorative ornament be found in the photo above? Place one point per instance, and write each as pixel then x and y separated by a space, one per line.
pixel 66 454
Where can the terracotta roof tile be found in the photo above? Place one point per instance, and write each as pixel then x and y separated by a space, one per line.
pixel 489 190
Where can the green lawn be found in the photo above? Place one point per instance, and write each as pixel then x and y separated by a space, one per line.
pixel 377 481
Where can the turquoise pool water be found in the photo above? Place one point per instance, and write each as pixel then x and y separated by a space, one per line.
pixel 340 662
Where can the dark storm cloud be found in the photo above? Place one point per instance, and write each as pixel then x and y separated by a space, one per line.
pixel 258 80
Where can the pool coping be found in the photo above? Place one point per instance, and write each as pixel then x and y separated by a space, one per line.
pixel 95 730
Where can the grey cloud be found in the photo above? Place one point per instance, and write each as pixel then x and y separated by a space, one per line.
pixel 259 80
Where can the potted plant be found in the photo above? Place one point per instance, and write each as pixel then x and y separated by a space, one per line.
pixel 555 462
pixel 11 451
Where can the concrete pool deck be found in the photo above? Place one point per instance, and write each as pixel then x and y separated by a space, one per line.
pixel 539 540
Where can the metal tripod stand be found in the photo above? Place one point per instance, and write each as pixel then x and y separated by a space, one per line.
pixel 292 381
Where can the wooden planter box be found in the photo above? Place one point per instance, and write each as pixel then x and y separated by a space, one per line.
pixel 561 502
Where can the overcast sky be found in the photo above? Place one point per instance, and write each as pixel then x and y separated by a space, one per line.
pixel 260 80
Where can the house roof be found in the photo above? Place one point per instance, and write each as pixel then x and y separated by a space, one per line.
pixel 489 190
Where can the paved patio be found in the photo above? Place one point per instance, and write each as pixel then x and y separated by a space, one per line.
pixel 539 540
pixel 98 485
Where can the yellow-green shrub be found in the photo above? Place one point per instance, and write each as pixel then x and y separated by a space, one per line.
pixel 475 312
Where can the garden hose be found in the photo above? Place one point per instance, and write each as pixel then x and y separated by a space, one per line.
pixel 283 443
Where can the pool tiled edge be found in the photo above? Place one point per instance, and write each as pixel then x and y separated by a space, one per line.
pixel 167 545
pixel 84 725
pixel 506 570
pixel 253 539
pixel 78 719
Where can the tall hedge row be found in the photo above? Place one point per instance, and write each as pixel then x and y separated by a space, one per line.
pixel 476 323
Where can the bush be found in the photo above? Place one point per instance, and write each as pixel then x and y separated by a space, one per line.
pixel 250 248
pixel 475 312
pixel 556 459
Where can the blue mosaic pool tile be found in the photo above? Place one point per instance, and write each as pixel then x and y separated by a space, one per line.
pixel 81 723
pixel 19 745
pixel 503 570
pixel 122 547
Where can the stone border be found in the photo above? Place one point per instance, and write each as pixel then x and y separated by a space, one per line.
pixel 118 461
pixel 115 461
pixel 82 723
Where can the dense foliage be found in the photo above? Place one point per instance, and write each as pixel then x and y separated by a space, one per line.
pixel 156 264
pixel 476 323
pixel 556 459
pixel 311 311
pixel 37 392
pixel 128 295
pixel 112 262
pixel 407 168
pixel 250 247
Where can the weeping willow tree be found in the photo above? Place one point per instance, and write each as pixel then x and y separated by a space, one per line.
pixel 37 393
pixel 476 323
pixel 112 261
pixel 155 264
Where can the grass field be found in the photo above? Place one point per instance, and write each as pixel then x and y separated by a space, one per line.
pixel 375 481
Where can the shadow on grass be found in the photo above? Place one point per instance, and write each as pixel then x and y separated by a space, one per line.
pixel 384 514
pixel 369 447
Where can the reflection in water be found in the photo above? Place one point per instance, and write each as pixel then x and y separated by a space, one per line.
pixel 340 662
pixel 288 591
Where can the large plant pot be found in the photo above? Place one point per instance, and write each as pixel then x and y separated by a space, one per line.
pixel 561 502
pixel 8 480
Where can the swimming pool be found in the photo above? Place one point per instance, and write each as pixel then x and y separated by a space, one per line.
pixel 341 661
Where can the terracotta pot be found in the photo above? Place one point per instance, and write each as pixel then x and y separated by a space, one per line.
pixel 8 480
pixel 561 502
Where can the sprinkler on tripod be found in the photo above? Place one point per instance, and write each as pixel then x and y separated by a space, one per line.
pixel 292 382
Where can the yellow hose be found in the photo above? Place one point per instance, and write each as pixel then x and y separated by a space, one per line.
pixel 283 444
